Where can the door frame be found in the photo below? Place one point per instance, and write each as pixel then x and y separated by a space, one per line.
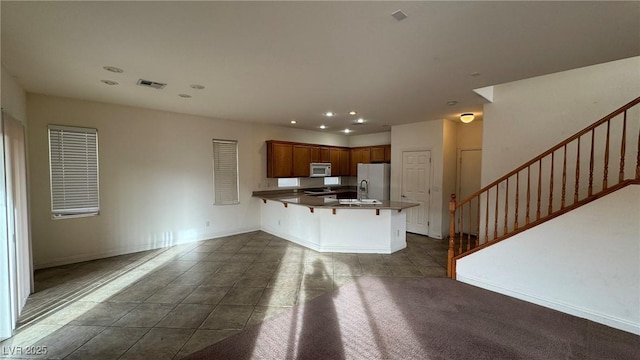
pixel 429 202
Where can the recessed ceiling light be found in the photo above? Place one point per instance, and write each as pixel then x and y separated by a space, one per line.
pixel 329 114
pixel 475 74
pixel 352 112
pixel 197 87
pixel 360 121
pixel 186 96
pixel 452 102
pixel 293 121
pixel 113 69
pixel 346 131
pixel 322 127
pixel 110 82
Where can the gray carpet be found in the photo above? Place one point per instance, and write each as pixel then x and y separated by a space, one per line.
pixel 423 318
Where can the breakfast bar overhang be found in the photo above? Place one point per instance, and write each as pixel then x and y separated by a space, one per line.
pixel 328 226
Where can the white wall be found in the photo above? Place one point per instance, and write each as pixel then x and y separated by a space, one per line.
pixel 155 181
pixel 529 116
pixel 583 263
pixel 426 135
pixel 382 138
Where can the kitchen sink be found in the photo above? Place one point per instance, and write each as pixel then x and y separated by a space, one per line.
pixel 360 202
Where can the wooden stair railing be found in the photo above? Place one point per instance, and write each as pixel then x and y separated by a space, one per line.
pixel 554 182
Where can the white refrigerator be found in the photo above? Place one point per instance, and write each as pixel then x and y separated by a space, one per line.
pixel 377 178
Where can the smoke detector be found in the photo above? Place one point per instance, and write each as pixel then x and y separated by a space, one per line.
pixel 151 84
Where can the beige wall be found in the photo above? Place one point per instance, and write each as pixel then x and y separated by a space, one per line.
pixel 529 116
pixel 426 135
pixel 155 180
pixel 449 170
pixel 381 138
pixel 14 99
pixel 469 135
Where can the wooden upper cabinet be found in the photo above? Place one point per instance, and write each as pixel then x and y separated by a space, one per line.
pixel 325 155
pixel 359 156
pixel 288 159
pixel 344 162
pixel 301 160
pixel 279 159
pixel 377 154
pixel 320 154
pixel 335 161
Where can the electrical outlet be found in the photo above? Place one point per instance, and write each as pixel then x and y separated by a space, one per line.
pixel 207 223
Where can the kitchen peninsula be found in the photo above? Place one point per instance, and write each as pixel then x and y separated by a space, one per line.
pixel 331 225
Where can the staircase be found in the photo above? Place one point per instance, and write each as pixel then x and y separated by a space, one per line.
pixel 594 162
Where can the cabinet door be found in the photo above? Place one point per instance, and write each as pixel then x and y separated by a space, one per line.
pixel 365 155
pixel 377 154
pixel 344 162
pixel 354 155
pixel 325 156
pixel 335 161
pixel 301 160
pixel 315 154
pixel 279 160
pixel 387 153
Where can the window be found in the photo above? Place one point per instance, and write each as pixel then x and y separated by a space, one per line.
pixel 288 182
pixel 332 180
pixel 225 172
pixel 73 170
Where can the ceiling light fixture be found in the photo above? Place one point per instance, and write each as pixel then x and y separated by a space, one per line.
pixel 346 131
pixel 113 69
pixel 186 96
pixel 293 121
pixel 196 86
pixel 451 103
pixel 110 82
pixel 322 127
pixel 352 112
pixel 467 118
pixel 360 121
pixel 329 114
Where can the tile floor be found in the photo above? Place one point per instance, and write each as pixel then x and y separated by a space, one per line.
pixel 167 303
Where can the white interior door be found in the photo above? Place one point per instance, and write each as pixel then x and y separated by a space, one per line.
pixel 470 166
pixel 416 188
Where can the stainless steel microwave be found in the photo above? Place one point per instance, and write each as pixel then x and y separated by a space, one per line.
pixel 319 169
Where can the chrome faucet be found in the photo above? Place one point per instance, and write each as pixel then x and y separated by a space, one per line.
pixel 363 189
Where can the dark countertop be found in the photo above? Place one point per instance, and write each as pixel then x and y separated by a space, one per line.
pixel 300 198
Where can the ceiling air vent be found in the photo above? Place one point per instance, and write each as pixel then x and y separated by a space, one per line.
pixel 151 84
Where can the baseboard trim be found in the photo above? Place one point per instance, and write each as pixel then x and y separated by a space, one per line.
pixel 132 249
pixel 608 320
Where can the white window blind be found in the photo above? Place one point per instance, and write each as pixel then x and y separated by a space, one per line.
pixel 225 172
pixel 73 161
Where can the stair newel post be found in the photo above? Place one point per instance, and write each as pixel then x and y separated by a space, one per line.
pixel 452 235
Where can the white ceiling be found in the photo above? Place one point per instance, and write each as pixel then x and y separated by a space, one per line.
pixel 277 61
